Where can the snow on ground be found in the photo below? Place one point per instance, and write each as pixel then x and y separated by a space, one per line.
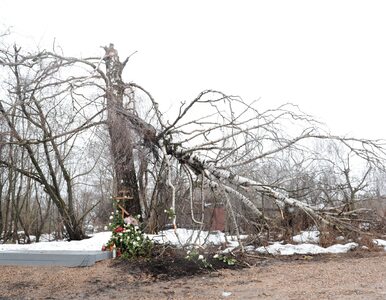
pixel 194 237
pixel 311 236
pixel 289 249
pixel 306 242
pixel 183 237
pixel 380 243
pixel 94 243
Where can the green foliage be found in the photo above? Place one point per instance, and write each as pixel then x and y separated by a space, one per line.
pixel 127 237
pixel 230 261
pixel 195 256
pixel 170 213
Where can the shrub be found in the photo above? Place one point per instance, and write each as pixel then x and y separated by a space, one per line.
pixel 127 237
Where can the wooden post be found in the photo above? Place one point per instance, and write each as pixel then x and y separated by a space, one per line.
pixel 121 206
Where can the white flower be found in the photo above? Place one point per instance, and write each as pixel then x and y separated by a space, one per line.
pixel 188 252
pixel 105 228
pixel 111 217
pixel 120 234
pixel 200 257
pixel 138 238
pixel 215 256
pixel 112 212
pixel 109 224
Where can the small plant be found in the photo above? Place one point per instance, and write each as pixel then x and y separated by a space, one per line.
pixel 127 237
pixel 195 256
pixel 170 213
pixel 230 261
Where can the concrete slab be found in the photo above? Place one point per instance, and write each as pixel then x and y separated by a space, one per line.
pixel 53 258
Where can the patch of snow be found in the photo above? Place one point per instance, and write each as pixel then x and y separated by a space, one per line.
pixel 338 248
pixel 184 237
pixel 193 237
pixel 249 248
pixel 233 244
pixel 45 237
pixel 289 249
pixel 228 250
pixel 380 242
pixel 311 236
pixel 94 243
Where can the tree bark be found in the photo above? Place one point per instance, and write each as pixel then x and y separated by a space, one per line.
pixel 121 137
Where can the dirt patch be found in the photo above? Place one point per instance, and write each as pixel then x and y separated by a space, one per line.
pixel 172 263
pixel 357 275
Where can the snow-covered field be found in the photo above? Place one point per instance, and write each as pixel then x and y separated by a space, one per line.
pixel 304 243
pixel 92 244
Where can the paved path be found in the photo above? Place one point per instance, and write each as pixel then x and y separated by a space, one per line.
pixel 52 258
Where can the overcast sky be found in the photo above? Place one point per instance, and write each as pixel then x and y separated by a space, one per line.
pixel 329 57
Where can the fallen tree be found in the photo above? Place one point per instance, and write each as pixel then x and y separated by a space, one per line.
pixel 217 144
pixel 220 177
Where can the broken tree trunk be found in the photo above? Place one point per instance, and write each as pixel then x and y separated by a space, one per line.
pixel 120 135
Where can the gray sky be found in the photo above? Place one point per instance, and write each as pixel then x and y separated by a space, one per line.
pixel 329 57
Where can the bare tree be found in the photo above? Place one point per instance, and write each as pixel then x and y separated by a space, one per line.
pixel 48 137
pixel 213 146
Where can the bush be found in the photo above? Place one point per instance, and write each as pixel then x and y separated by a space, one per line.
pixel 127 237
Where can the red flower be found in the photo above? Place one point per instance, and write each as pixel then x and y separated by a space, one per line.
pixel 103 248
pixel 118 229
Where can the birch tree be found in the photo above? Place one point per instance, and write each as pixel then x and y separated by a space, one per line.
pixel 215 141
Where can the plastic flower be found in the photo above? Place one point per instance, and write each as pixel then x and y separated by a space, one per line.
pixel 118 229
pixel 130 220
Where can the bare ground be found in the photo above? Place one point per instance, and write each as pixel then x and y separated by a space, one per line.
pixel 356 275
